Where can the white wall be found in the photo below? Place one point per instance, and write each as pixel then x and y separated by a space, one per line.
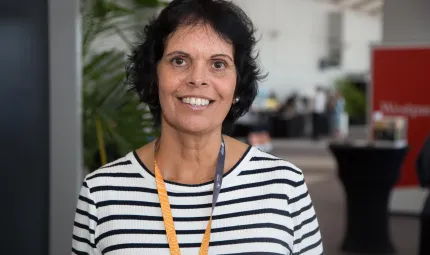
pixel 291 58
pixel 360 31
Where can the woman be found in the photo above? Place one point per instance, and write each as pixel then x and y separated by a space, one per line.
pixel 195 69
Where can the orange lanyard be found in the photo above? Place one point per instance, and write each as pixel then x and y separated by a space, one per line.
pixel 167 212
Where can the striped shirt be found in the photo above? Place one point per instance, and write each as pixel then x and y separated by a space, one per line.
pixel 263 208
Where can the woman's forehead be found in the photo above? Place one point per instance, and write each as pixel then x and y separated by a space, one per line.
pixel 199 37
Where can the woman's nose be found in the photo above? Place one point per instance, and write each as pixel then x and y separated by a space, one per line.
pixel 198 75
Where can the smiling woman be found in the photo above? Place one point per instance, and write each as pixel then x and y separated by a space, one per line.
pixel 194 190
pixel 196 79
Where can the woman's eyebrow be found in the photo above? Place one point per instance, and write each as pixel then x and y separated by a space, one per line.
pixel 222 55
pixel 178 52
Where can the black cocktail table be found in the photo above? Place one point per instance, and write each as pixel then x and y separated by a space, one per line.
pixel 368 174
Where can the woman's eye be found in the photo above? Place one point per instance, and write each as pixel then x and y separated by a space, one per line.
pixel 219 65
pixel 178 61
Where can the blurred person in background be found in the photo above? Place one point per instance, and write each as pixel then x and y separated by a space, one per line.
pixel 287 109
pixel 307 114
pixel 336 116
pixel 259 136
pixel 319 109
pixel 299 105
pixel 272 103
pixel 194 190
pixel 265 105
pixel 423 170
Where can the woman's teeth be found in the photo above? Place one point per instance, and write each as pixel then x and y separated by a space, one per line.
pixel 195 101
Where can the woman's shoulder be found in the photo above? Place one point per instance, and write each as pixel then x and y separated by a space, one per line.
pixel 273 165
pixel 120 168
pixel 268 169
pixel 267 158
pixel 259 157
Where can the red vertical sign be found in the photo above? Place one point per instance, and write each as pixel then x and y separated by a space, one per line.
pixel 401 87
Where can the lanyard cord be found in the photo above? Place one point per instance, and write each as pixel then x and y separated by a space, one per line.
pixel 167 212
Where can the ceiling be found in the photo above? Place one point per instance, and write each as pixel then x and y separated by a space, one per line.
pixel 371 7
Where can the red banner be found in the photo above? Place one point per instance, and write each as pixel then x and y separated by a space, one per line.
pixel 401 87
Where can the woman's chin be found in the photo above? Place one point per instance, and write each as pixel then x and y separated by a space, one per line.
pixel 192 124
pixel 197 126
pixel 195 129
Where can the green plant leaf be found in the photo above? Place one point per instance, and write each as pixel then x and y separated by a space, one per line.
pixel 126 122
pixel 355 100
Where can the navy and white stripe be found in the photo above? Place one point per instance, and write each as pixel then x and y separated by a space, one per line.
pixel 263 208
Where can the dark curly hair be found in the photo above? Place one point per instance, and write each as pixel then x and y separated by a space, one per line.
pixel 227 19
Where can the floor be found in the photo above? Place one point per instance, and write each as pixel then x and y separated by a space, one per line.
pixel 327 195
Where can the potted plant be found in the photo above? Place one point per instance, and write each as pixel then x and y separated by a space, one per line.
pixel 114 120
pixel 355 100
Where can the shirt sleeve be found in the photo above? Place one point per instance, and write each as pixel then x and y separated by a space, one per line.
pixel 307 236
pixel 83 242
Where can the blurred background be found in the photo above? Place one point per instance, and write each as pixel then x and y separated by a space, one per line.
pixel 65 111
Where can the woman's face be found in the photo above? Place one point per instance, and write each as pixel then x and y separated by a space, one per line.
pixel 196 79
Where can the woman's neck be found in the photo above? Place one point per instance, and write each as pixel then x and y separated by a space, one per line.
pixel 185 157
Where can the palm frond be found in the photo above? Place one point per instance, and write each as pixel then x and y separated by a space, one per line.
pixel 122 120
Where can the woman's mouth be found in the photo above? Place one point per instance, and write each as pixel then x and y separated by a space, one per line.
pixel 196 103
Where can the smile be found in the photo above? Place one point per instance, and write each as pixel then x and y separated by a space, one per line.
pixel 196 103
